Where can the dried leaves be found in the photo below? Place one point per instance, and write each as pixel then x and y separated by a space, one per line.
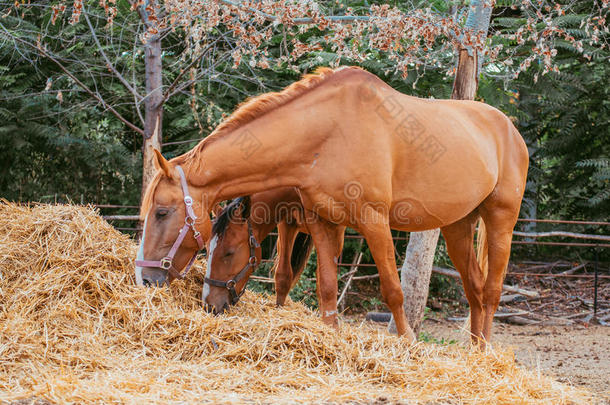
pixel 416 38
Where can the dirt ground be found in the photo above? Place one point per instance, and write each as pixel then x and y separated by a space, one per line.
pixel 575 354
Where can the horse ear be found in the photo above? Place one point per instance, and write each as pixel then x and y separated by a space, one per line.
pixel 245 207
pixel 161 163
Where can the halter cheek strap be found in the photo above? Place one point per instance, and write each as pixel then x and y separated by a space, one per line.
pixel 189 222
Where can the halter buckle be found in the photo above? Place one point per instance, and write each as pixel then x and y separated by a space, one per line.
pixel 252 260
pixel 230 284
pixel 166 263
pixel 188 200
pixel 189 220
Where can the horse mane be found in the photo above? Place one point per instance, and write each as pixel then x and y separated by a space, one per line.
pixel 222 221
pixel 256 107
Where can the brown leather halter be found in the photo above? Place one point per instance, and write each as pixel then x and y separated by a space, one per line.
pixel 252 263
pixel 189 222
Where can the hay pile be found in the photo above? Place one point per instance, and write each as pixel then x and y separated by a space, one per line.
pixel 74 328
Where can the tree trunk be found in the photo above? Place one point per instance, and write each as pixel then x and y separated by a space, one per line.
pixel 415 276
pixel 467 74
pixel 419 258
pixel 153 119
pixel 466 80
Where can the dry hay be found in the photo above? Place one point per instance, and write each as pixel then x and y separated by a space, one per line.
pixel 74 328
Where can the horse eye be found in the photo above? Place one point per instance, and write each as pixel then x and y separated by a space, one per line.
pixel 161 212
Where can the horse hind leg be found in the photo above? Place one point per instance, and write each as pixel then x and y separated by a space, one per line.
pixel 283 269
pixel 459 238
pixel 500 217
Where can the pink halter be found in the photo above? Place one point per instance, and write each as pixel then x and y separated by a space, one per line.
pixel 189 222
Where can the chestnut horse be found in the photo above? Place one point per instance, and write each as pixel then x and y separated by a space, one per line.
pixel 246 219
pixel 361 155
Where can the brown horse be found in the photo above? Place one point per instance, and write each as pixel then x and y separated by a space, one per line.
pixel 362 155
pixel 247 219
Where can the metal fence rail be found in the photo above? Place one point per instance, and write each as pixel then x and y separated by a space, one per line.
pixel 515 233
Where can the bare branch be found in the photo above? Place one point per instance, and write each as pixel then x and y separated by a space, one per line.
pixel 141 12
pixel 108 63
pixel 170 90
pixel 96 96
pixel 133 73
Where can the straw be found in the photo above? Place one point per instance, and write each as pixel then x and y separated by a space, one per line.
pixel 75 328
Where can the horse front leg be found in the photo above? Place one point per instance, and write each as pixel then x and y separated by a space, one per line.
pixel 376 231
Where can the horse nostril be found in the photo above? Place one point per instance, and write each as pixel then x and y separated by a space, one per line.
pixel 147 282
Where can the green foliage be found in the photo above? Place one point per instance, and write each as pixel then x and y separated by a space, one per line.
pixel 426 337
pixel 599 177
pixel 305 290
pixel 50 151
pixel 55 143
pixel 445 287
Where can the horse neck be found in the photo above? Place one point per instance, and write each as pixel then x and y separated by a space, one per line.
pixel 270 152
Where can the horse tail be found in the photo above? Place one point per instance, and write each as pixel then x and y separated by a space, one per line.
pixel 300 253
pixel 482 248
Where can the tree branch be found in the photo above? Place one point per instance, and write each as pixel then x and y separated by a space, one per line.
pixel 133 74
pixel 109 64
pixel 44 53
pixel 303 20
pixel 169 92
pixel 141 12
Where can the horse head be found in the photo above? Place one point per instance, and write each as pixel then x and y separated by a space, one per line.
pixel 233 255
pixel 173 233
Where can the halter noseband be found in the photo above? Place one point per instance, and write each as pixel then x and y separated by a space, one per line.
pixel 189 222
pixel 252 263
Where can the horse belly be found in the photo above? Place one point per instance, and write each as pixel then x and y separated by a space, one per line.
pixel 412 215
pixel 428 195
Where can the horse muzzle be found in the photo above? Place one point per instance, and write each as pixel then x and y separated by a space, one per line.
pixel 154 277
pixel 216 310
